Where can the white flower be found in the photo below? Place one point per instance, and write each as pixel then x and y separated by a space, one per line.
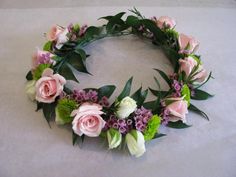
pixel 30 89
pixel 126 107
pixel 62 39
pixel 136 143
pixel 114 138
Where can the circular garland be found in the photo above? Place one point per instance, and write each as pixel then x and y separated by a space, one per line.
pixel 129 120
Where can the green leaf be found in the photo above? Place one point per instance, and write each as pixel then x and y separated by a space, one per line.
pixel 47 46
pixel 139 96
pixel 132 21
pixel 29 76
pixel 164 76
pixel 178 125
pixel 77 61
pixel 201 95
pixel 185 92
pixel 159 92
pixel 172 55
pixel 118 16
pixel 157 32
pixel 106 90
pixel 69 72
pixel 74 138
pixel 198 111
pixel 81 52
pixel 126 90
pixel 49 111
pixel 158 135
pixel 91 31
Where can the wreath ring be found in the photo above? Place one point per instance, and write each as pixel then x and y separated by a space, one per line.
pixel 129 117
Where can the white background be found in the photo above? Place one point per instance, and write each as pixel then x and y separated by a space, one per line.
pixel 28 147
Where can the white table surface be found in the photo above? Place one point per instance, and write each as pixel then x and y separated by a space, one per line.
pixel 28 147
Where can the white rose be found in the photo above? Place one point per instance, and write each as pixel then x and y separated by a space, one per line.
pixel 62 39
pixel 136 143
pixel 126 107
pixel 30 89
pixel 114 138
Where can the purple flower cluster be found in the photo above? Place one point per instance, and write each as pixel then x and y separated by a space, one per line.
pixel 165 116
pixel 177 86
pixel 81 96
pixel 123 125
pixel 141 118
pixel 45 58
pixel 138 122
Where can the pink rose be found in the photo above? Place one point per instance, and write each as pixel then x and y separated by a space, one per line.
pixel 54 32
pixel 49 86
pixel 165 22
pixel 41 57
pixel 187 64
pixel 187 44
pixel 177 109
pixel 87 120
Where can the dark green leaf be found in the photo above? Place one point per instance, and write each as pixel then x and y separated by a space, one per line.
pixel 49 111
pixel 132 21
pixel 126 90
pixel 178 125
pixel 198 111
pixel 106 90
pixel 77 62
pixel 81 52
pixel 164 76
pixel 29 76
pixel 158 33
pixel 74 138
pixel 39 106
pixel 201 95
pixel 172 55
pixel 157 92
pixel 69 72
pixel 139 96
pixel 158 135
pixel 119 15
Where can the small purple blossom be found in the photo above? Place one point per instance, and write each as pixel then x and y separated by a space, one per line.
pixel 83 96
pixel 142 116
pixel 83 30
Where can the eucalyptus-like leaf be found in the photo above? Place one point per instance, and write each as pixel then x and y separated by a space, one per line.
pixel 201 95
pixel 159 92
pixel 158 135
pixel 106 90
pixel 178 125
pixel 126 90
pixel 164 76
pixel 198 111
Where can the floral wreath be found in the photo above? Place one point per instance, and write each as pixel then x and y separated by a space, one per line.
pixel 129 119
